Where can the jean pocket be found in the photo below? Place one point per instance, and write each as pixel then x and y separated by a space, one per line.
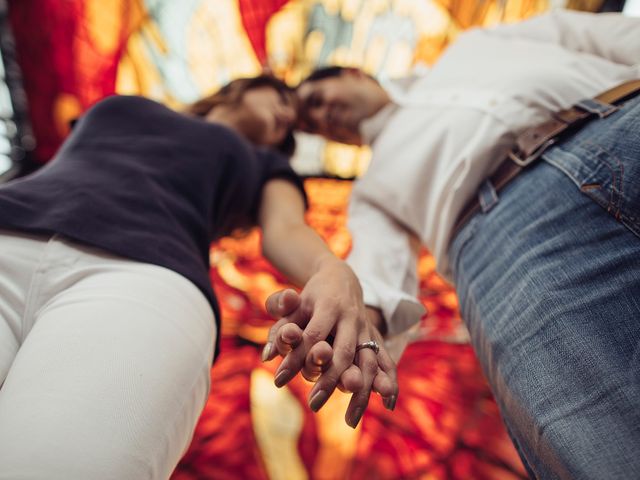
pixel 615 184
pixel 606 174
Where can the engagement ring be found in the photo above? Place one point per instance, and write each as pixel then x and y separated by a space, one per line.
pixel 372 344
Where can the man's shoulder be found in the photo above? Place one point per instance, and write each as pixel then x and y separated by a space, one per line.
pixel 397 86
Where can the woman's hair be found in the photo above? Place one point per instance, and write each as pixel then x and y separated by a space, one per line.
pixel 232 93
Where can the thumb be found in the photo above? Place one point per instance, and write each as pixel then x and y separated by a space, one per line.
pixel 282 303
pixel 279 305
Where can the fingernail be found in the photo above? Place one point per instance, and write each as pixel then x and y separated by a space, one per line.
pixel 354 419
pixel 266 351
pixel 281 378
pixel 390 403
pixel 318 399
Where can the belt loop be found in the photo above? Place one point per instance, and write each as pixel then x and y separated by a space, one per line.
pixel 596 107
pixel 487 196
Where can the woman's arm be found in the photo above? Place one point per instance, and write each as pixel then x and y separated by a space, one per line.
pixel 330 301
pixel 287 241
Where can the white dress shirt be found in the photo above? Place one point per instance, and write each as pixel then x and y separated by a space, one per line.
pixel 449 129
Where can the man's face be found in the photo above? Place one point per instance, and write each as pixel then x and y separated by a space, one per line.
pixel 334 107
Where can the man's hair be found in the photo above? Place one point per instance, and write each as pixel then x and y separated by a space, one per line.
pixel 325 72
pixel 232 93
pixel 330 72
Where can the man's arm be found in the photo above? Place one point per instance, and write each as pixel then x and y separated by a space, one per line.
pixel 384 256
pixel 608 35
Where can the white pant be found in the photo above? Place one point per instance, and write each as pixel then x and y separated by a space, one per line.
pixel 105 363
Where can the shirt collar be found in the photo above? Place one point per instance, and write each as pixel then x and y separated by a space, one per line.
pixel 397 89
pixel 371 127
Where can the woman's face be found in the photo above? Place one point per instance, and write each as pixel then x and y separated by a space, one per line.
pixel 265 116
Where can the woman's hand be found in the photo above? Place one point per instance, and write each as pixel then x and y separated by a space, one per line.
pixel 331 305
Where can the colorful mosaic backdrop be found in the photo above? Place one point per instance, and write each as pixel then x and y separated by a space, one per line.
pixel 446 424
pixel 74 52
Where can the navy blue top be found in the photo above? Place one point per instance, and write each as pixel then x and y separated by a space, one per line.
pixel 144 182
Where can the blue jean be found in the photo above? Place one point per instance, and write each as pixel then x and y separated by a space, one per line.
pixel 548 279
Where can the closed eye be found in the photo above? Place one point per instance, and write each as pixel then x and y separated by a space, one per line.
pixel 314 100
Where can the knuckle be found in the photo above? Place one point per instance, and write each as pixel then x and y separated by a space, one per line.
pixel 312 335
pixel 353 312
pixel 306 307
pixel 329 380
pixel 361 397
pixel 344 353
pixel 348 313
pixel 331 307
pixel 369 366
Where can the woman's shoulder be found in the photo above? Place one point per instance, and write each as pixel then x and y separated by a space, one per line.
pixel 126 104
pixel 136 114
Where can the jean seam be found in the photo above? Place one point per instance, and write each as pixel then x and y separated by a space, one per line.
pixel 468 231
pixel 516 445
pixel 617 185
pixel 32 298
pixel 630 223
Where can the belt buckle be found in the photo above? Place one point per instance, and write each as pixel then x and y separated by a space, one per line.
pixel 523 162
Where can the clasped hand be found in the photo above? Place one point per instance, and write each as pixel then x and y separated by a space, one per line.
pixel 317 334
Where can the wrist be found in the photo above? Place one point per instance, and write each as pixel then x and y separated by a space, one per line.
pixel 326 260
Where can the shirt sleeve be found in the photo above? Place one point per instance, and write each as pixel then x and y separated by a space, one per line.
pixel 612 36
pixel 384 257
pixel 276 165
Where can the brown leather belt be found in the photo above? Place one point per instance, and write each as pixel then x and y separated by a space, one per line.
pixel 533 142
